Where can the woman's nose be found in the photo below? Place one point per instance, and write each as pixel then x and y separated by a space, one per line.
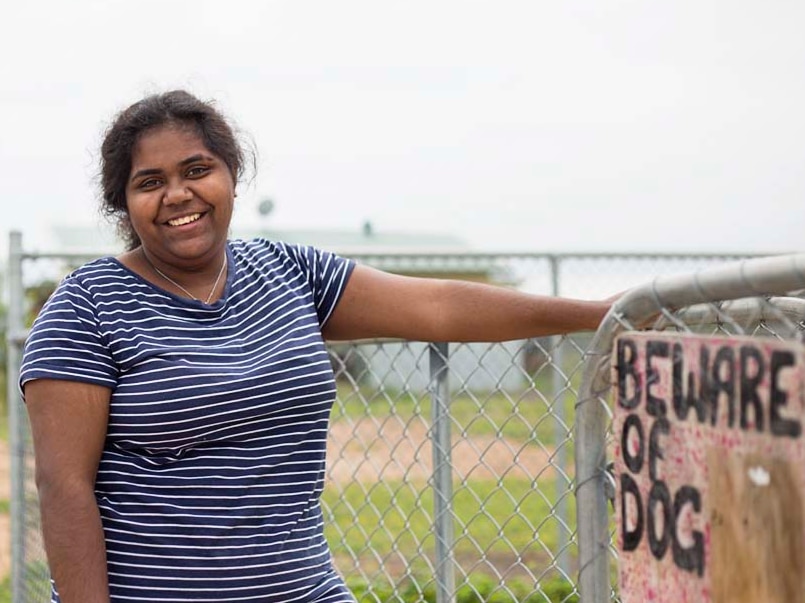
pixel 177 193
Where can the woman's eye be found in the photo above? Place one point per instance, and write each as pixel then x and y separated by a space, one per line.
pixel 197 170
pixel 150 183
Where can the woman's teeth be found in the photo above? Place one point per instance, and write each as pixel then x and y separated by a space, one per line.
pixel 184 220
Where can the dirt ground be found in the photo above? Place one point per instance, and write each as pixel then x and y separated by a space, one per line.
pixel 369 450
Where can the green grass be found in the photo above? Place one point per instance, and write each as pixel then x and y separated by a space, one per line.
pixel 504 520
pixel 5 505
pixel 476 589
pixel 35 587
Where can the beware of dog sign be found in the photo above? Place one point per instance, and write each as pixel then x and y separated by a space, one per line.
pixel 710 468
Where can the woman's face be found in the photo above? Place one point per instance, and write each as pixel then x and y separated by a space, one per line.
pixel 179 197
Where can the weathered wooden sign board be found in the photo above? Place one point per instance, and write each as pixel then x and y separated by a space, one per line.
pixel 709 469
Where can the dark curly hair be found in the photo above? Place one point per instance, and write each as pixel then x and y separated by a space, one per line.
pixel 174 107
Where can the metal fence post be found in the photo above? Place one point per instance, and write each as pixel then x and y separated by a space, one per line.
pixel 442 473
pixel 559 385
pixel 14 328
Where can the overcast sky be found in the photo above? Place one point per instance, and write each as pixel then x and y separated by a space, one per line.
pixel 512 124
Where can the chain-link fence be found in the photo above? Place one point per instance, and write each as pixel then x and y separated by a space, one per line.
pixel 758 298
pixel 451 472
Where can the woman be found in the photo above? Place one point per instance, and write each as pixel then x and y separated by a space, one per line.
pixel 179 393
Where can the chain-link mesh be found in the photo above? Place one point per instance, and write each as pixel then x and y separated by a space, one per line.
pixel 758 298
pixel 507 442
pixel 450 467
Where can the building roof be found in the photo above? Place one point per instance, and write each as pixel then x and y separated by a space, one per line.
pixel 366 240
pixel 363 241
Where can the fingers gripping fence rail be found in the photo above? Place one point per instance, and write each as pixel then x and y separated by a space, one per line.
pixel 450 475
pixel 758 297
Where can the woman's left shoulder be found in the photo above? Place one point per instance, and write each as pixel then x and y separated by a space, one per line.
pixel 268 248
pixel 256 245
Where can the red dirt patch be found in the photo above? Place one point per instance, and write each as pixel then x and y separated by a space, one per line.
pixel 369 450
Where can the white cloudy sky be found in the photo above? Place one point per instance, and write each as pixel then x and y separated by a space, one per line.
pixel 513 124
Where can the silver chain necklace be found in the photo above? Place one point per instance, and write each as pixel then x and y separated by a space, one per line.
pixel 173 282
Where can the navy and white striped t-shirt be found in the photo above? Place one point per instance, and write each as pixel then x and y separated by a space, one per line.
pixel 210 477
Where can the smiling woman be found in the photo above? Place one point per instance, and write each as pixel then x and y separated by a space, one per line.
pixel 179 394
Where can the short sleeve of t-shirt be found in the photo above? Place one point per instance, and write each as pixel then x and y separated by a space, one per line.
pixel 326 274
pixel 65 341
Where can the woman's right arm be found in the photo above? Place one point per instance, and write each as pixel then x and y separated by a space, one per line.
pixel 68 424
